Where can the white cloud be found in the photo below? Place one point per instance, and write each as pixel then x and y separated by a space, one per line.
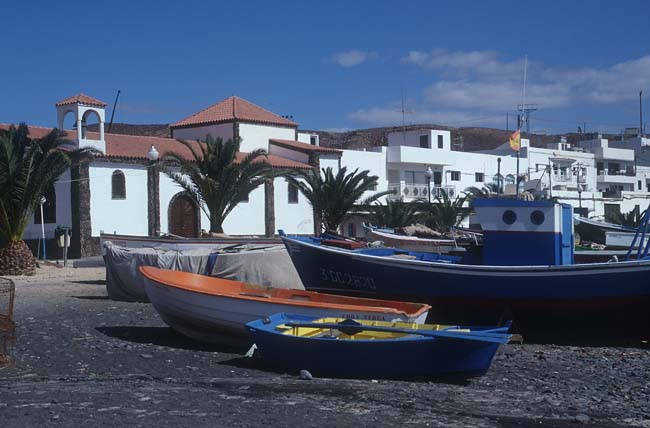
pixel 495 96
pixel 388 116
pixel 484 63
pixel 352 57
pixel 481 79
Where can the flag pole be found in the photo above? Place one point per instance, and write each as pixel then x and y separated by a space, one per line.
pixel 517 178
pixel 523 106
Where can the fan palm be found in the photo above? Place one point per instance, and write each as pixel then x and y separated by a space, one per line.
pixel 333 197
pixel 215 178
pixel 631 219
pixel 28 167
pixel 446 213
pixel 394 213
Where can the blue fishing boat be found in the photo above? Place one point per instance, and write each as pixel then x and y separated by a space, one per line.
pixel 524 271
pixel 337 347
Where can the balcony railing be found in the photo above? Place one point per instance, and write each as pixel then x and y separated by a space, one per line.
pixel 627 173
pixel 411 192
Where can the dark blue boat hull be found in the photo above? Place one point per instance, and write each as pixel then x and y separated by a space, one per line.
pixel 411 357
pixel 592 298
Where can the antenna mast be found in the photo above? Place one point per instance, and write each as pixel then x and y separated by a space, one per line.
pixel 110 125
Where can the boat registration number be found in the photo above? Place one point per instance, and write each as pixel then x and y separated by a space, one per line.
pixel 356 281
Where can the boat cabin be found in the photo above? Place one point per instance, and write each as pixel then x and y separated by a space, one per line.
pixel 525 233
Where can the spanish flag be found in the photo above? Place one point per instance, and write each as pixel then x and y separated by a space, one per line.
pixel 515 140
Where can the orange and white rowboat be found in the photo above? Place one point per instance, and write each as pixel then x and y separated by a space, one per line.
pixel 211 309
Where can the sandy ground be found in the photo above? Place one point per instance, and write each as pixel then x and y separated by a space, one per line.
pixel 83 360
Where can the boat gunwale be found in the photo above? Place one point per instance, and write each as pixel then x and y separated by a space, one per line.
pixel 581 268
pixel 421 307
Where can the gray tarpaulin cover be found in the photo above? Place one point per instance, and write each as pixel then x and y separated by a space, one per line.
pixel 256 264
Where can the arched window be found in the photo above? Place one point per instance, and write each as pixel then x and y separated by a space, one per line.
pixel 49 208
pixel 118 185
pixel 510 179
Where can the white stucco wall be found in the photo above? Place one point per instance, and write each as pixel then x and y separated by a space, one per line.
pixel 63 211
pixel 223 130
pixel 412 138
pixel 247 217
pixel 375 162
pixel 305 137
pixel 257 136
pixel 291 217
pixel 123 216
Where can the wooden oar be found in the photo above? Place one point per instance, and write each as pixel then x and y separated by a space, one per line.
pixel 350 329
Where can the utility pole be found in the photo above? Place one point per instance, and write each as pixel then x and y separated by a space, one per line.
pixel 640 113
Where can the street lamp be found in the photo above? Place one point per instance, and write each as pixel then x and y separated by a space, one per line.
pixel 152 154
pixel 153 192
pixel 498 176
pixel 427 175
pixel 42 201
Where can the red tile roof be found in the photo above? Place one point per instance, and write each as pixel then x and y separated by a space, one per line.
pixel 82 99
pixel 136 146
pixel 231 109
pixel 303 147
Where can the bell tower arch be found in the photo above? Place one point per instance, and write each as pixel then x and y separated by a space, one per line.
pixel 83 108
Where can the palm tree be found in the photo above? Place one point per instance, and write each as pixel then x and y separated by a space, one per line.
pixel 446 213
pixel 333 197
pixel 394 213
pixel 487 191
pixel 215 178
pixel 28 167
pixel 631 219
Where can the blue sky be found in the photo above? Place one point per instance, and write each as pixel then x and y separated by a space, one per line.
pixel 334 64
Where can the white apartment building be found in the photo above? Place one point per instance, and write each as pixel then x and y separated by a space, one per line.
pixel 596 177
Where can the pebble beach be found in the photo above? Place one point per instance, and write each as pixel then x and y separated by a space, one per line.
pixel 84 360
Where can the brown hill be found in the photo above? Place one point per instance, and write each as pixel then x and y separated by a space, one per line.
pixel 463 139
pixel 153 130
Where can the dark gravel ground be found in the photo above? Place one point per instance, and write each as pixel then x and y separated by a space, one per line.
pixel 83 360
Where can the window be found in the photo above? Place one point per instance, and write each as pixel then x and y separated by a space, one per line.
pixel 455 175
pixel 49 208
pixel 537 217
pixel 437 178
pixel 414 177
pixel 478 177
pixel 509 217
pixel 599 167
pixel 613 168
pixel 440 141
pixel 424 141
pixel 313 139
pixel 118 185
pixel 293 194
pixel 352 230
pixel 639 186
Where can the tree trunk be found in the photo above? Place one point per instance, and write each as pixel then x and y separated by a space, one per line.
pixel 16 259
pixel 216 226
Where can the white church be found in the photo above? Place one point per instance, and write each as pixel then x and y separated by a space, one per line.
pixel 122 191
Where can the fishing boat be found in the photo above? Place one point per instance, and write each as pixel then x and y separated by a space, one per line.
pixel 173 242
pixel 594 230
pixel 339 347
pixel 217 310
pixel 617 240
pixel 415 243
pixel 525 270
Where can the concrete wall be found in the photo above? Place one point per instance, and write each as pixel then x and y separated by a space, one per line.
pixel 123 216
pixel 257 136
pixel 412 138
pixel 291 217
pixel 223 130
